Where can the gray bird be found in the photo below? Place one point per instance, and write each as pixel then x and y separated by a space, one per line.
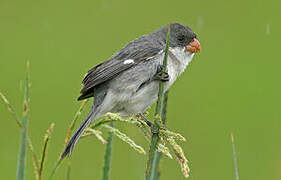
pixel 128 82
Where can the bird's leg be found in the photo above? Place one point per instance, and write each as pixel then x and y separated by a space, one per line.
pixel 160 76
pixel 145 120
pixel 149 123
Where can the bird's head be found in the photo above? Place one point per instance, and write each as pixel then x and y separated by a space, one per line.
pixel 180 36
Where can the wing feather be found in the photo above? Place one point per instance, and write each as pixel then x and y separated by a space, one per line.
pixel 138 50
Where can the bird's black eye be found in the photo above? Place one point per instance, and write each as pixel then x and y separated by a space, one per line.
pixel 181 38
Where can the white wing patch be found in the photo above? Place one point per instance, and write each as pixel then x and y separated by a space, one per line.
pixel 160 51
pixel 129 61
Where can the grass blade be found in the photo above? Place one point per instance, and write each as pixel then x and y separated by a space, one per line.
pixel 45 143
pixel 180 156
pixel 11 109
pixel 154 156
pixel 70 129
pixel 235 163
pixel 68 170
pixel 96 133
pixel 76 117
pixel 29 142
pixel 24 130
pixel 126 139
pixel 57 164
pixel 108 154
pixel 177 136
pixel 34 159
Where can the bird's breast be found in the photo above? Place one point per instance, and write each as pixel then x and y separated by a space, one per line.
pixel 178 60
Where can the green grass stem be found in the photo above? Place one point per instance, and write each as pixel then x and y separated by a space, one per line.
pixel 152 172
pixel 108 154
pixel 68 170
pixel 24 130
pixel 234 156
pixel 57 164
pixel 70 129
pixel 29 142
pixel 45 143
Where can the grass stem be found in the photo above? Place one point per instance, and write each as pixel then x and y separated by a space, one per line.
pixel 152 172
pixel 70 129
pixel 68 170
pixel 234 156
pixel 24 130
pixel 108 154
pixel 29 142
pixel 45 143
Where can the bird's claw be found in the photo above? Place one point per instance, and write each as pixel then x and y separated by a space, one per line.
pixel 154 130
pixel 149 124
pixel 162 76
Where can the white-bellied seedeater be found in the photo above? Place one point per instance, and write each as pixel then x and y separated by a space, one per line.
pixel 128 82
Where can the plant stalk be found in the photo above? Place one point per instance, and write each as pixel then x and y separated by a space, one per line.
pixel 152 172
pixel 24 130
pixel 108 154
pixel 235 163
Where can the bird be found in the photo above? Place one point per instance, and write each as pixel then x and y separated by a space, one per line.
pixel 128 82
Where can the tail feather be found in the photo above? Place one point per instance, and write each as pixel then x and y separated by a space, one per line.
pixel 76 135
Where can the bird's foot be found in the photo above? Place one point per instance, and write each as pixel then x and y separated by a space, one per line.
pixel 154 130
pixel 150 124
pixel 161 76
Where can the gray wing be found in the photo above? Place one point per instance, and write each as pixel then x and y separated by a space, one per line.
pixel 139 50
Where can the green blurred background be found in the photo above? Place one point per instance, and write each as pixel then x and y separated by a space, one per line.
pixel 233 84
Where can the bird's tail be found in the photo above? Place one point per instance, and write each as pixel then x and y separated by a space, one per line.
pixel 76 135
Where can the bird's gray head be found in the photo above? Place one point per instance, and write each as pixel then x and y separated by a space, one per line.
pixel 180 36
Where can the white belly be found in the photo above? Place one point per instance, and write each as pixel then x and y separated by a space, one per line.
pixel 145 97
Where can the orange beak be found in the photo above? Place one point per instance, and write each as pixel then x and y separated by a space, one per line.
pixel 193 46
